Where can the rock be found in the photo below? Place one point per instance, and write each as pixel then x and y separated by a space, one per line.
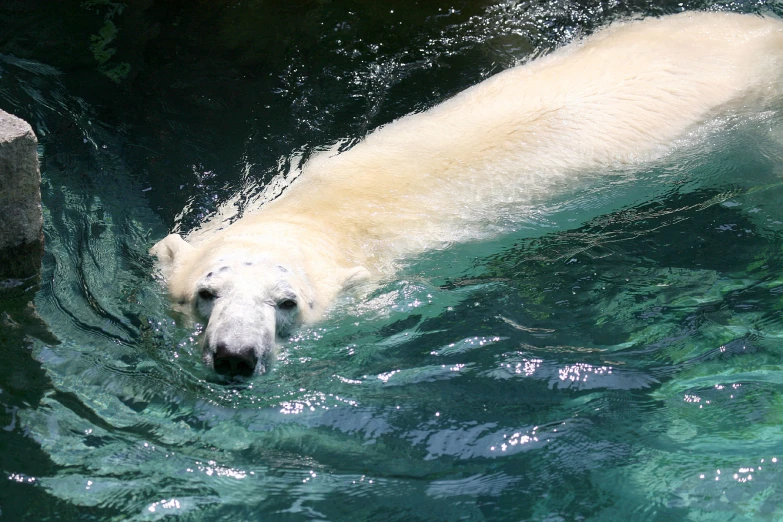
pixel 21 219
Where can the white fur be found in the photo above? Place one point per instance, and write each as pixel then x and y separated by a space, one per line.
pixel 618 98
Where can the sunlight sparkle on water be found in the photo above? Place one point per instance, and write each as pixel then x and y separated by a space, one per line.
pixel 312 475
pixel 516 439
pixel 346 380
pixel 311 402
pixel 384 377
pixel 527 366
pixel 164 504
pixel 19 477
pixel 211 468
pixel 580 371
pixel 743 474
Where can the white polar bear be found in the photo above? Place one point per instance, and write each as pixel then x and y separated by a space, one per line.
pixel 617 98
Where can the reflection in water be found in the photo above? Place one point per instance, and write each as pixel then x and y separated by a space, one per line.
pixel 617 356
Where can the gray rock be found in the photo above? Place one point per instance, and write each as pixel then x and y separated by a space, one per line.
pixel 21 220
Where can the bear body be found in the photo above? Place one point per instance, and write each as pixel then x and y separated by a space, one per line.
pixel 619 98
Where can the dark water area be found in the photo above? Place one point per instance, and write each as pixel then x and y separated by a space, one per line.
pixel 616 357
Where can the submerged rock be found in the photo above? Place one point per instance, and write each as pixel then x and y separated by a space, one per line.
pixel 21 219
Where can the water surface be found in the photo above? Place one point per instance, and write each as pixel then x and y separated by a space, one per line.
pixel 617 355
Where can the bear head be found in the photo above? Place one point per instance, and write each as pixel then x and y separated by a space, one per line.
pixel 248 298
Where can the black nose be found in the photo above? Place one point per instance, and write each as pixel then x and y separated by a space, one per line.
pixel 234 362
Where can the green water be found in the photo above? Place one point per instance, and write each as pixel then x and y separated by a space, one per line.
pixel 616 357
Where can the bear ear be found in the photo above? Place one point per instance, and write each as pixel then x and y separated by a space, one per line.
pixel 352 277
pixel 168 249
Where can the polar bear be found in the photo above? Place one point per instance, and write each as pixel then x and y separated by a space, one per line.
pixel 611 101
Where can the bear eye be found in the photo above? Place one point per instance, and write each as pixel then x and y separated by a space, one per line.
pixel 206 294
pixel 287 304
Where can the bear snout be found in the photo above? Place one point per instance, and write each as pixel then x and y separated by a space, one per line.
pixel 232 362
